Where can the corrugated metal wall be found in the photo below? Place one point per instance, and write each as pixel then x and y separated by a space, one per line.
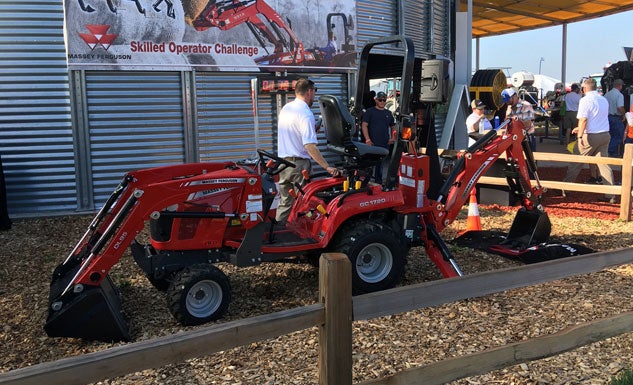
pixel 417 24
pixel 428 23
pixel 135 120
pixel 441 28
pixel 375 19
pixel 226 126
pixel 58 161
pixel 36 139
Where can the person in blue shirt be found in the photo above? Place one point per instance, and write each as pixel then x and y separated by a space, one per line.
pixel 377 125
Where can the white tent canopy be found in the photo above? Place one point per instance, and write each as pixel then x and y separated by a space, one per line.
pixel 545 84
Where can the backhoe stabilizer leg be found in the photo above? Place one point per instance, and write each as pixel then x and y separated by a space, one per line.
pixel 438 252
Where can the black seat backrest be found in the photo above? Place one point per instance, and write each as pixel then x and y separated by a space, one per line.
pixel 338 121
pixel 340 127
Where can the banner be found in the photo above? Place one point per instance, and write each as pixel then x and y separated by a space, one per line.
pixel 229 35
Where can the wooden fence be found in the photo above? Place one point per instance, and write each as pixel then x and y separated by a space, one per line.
pixel 334 315
pixel 624 190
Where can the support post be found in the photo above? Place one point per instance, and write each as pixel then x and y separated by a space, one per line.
pixel 335 335
pixel 627 176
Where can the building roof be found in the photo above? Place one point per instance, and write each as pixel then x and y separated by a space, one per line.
pixel 497 17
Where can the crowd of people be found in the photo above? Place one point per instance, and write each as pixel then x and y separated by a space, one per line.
pixel 597 122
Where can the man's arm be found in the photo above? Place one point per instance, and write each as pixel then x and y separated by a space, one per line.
pixel 580 130
pixel 365 128
pixel 314 152
pixel 621 110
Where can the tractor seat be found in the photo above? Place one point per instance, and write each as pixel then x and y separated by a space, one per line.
pixel 340 128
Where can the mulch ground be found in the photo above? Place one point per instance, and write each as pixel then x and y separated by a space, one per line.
pixel 382 346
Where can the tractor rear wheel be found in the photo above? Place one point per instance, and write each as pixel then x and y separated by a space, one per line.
pixel 199 294
pixel 377 253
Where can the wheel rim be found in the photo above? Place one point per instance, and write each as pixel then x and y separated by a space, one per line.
pixel 374 263
pixel 204 298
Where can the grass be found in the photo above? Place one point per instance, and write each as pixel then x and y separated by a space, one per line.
pixel 624 378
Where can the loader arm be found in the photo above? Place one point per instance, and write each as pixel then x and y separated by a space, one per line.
pixel 146 195
pixel 82 279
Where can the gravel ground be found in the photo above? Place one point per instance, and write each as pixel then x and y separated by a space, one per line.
pixel 382 346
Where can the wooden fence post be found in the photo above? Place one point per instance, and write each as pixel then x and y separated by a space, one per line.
pixel 627 175
pixel 335 335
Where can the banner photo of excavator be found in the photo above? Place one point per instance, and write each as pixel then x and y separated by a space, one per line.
pixel 225 35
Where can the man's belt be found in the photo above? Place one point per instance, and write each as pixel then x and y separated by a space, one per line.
pixel 294 158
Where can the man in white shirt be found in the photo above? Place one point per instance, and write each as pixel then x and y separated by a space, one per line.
pixel 592 133
pixel 477 121
pixel 297 143
pixel 616 117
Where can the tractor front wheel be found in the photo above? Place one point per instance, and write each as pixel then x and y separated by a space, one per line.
pixel 377 253
pixel 199 294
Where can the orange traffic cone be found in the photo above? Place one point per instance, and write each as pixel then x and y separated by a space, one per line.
pixel 473 223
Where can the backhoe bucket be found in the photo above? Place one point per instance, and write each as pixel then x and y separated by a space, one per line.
pixel 529 228
pixel 93 314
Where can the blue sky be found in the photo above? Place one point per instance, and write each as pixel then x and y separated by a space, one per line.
pixel 590 45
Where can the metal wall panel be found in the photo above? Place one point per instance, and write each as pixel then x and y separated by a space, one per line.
pixel 375 19
pixel 58 161
pixel 226 126
pixel 135 120
pixel 36 138
pixel 417 24
pixel 428 23
pixel 441 28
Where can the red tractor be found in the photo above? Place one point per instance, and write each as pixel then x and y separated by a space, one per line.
pixel 204 213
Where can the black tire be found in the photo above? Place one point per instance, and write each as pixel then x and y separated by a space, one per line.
pixel 377 253
pixel 199 294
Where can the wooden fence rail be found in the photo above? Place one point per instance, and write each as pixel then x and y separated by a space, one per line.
pixel 333 315
pixel 512 354
pixel 624 190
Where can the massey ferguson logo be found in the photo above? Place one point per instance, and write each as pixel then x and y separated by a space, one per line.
pixel 98 36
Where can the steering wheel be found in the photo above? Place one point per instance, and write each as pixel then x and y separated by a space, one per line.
pixel 265 154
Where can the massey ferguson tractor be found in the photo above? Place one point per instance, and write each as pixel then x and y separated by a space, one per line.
pixel 206 213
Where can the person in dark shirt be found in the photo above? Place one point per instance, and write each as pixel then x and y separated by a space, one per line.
pixel 377 125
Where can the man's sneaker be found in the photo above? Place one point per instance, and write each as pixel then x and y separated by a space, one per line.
pixel 607 200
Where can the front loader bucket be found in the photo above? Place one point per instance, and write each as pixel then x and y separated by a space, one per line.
pixel 93 314
pixel 529 228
